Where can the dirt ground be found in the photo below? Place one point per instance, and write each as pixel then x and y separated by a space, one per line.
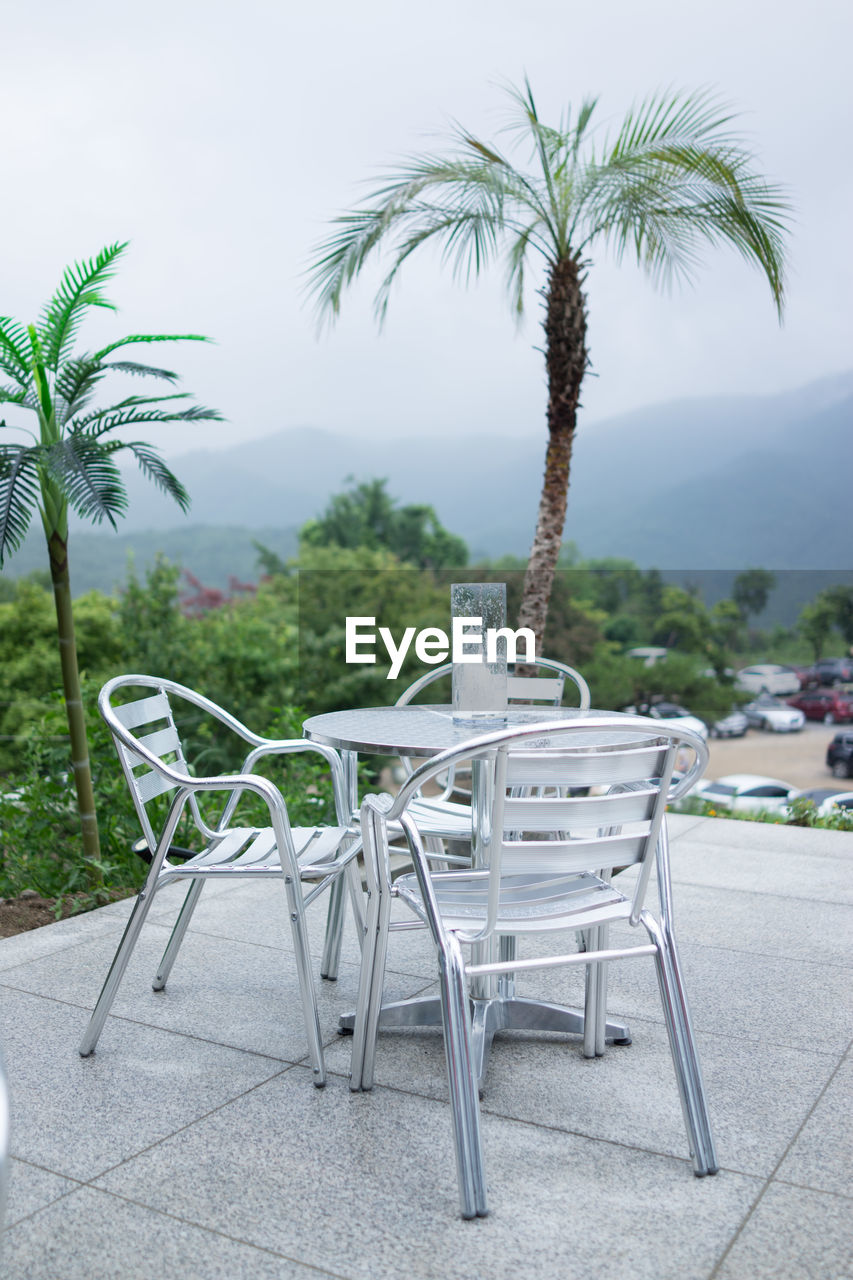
pixel 797 758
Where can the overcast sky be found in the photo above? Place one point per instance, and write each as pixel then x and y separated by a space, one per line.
pixel 220 137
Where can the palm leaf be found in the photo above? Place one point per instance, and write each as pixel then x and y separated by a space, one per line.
pixel 14 350
pixel 143 370
pixel 153 466
pixel 87 477
pixel 148 337
pixel 75 385
pixel 103 421
pixel 19 492
pixel 79 289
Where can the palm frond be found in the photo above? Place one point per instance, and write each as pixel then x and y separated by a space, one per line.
pixel 79 289
pixel 105 420
pixel 148 337
pixel 76 383
pixel 14 350
pixel 466 201
pixel 87 477
pixel 143 370
pixel 153 466
pixel 14 395
pixel 19 490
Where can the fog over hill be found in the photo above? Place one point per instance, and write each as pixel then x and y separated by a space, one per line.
pixel 720 482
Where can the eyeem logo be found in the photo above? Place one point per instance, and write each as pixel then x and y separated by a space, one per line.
pixel 433 646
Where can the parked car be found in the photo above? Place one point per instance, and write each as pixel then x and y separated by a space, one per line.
pixel 647 654
pixel 767 712
pixel 768 677
pixel 746 792
pixel 733 725
pixel 839 755
pixel 831 805
pixel 672 714
pixel 833 671
pixel 832 706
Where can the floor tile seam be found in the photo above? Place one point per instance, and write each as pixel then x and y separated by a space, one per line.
pixel 55 951
pixel 153 1026
pixel 557 1129
pixel 187 1222
pixel 678 881
pixel 167 1137
pixel 34 1213
pixel 767 955
pixel 846 1197
pixel 772 1178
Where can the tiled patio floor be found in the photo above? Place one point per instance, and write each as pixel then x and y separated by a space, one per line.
pixel 192 1145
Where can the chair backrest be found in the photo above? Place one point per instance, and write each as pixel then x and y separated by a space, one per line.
pixel 559 797
pixel 149 745
pixel 549 689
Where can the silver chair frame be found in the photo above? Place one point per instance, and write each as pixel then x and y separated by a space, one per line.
pixel 319 857
pixel 640 784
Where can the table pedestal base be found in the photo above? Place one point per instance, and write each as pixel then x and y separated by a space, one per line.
pixel 488 1016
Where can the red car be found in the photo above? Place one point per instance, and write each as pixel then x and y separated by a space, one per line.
pixel 832 706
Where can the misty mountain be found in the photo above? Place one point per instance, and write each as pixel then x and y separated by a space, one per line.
pixel 716 482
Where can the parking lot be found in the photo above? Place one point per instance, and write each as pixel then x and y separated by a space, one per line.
pixel 798 758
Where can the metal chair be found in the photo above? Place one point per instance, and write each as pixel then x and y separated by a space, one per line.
pixel 440 817
pixel 152 758
pixel 530 879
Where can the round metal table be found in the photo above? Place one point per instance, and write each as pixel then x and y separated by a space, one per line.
pixel 424 730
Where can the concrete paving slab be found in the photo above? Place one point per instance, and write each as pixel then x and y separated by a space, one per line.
pixel 732 993
pixel 64 934
pixel 385 1162
pixel 776 837
pixel 95 1236
pixel 32 1188
pixel 814 876
pixel 231 993
pixel 79 1116
pixel 820 1157
pixel 793 1235
pixel 758 1097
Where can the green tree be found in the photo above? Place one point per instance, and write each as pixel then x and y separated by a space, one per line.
pixel 365 515
pixel 751 589
pixel 816 622
pixel 70 463
pixel 671 178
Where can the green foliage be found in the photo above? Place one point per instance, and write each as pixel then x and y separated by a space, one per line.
pixel 751 589
pixel 366 516
pixel 801 812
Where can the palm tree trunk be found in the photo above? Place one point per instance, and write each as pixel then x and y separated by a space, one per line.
pixel 58 551
pixel 565 360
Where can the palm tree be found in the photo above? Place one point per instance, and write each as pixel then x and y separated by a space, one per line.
pixel 669 179
pixel 70 462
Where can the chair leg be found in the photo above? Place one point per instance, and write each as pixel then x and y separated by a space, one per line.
pixel 117 969
pixel 371 982
pixel 334 930
pixel 462 1079
pixel 306 985
pixel 601 993
pixel 177 936
pixel 684 1054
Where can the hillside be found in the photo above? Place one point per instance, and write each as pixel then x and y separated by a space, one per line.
pixel 720 482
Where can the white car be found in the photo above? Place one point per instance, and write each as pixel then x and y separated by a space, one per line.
pixel 670 713
pixel 734 725
pixel 746 792
pixel 767 712
pixel 768 677
pixel 838 800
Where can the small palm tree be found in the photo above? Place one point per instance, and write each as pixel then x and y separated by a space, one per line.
pixel 671 178
pixel 70 463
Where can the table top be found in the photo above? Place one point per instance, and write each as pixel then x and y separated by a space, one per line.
pixel 424 729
